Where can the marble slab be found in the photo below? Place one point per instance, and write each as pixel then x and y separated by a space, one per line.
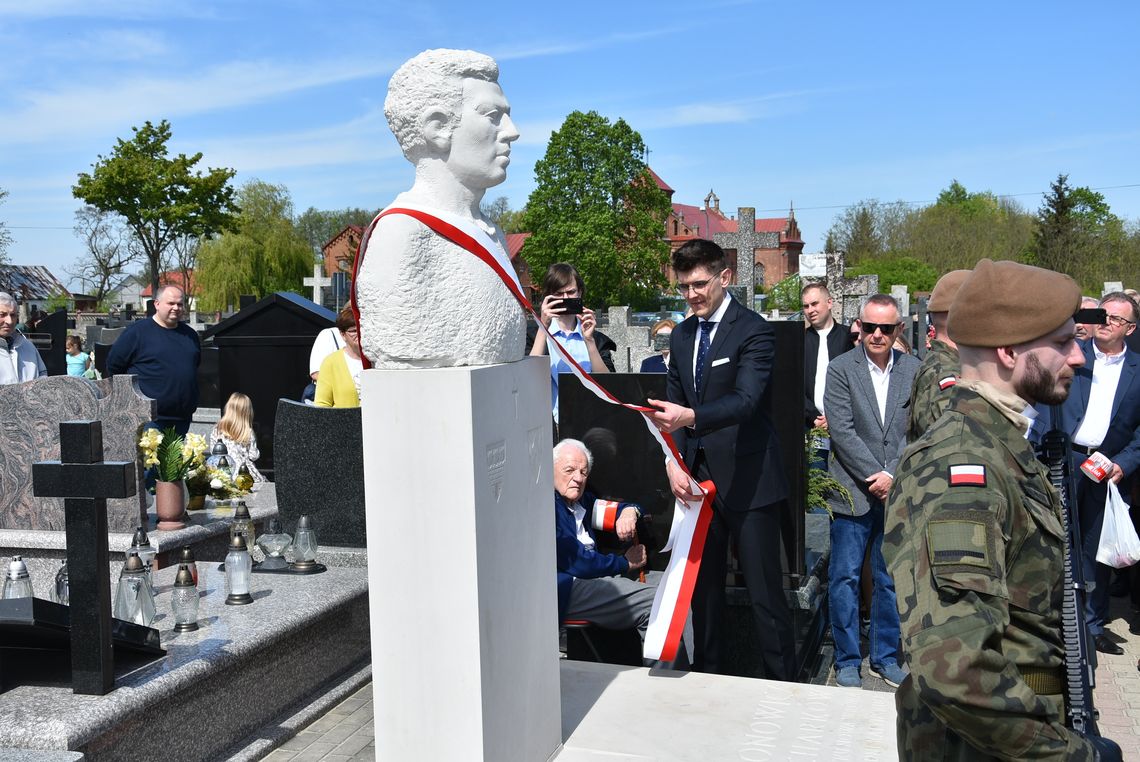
pixel 611 712
pixel 217 688
pixel 30 414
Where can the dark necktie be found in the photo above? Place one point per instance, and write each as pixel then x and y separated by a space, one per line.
pixel 702 350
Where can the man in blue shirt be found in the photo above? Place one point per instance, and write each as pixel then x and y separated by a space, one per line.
pixel 163 353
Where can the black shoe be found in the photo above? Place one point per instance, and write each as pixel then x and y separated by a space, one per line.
pixel 1106 646
pixel 1120 587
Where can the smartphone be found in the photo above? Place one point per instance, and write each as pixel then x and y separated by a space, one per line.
pixel 571 306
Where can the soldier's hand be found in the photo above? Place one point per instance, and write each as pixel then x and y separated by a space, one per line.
pixel 636 557
pixel 1107 750
pixel 626 525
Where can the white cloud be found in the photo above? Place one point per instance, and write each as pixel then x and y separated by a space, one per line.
pixel 81 110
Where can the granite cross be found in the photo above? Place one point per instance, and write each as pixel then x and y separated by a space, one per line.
pixel 317 282
pixel 85 482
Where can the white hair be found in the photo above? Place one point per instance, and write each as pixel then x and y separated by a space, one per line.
pixel 432 79
pixel 562 445
pixel 8 299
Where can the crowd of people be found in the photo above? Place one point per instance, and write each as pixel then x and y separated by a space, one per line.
pixel 947 537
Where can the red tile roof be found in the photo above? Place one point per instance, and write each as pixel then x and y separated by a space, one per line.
pixel 171 278
pixel 660 183
pixel 716 222
pixel 347 229
pixel 515 243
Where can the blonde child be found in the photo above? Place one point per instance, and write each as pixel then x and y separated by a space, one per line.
pixel 235 430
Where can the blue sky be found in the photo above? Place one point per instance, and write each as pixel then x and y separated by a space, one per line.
pixel 820 104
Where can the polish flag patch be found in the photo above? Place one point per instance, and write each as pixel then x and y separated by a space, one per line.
pixel 947 382
pixel 605 515
pixel 967 476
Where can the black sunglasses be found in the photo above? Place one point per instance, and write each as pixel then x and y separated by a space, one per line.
pixel 886 328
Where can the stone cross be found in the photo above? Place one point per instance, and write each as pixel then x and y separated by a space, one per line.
pixel 902 296
pixel 317 282
pixel 1111 286
pixel 746 241
pixel 849 293
pixel 86 481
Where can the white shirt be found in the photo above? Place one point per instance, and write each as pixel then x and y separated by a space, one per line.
pixel 881 381
pixel 579 524
pixel 327 342
pixel 1098 415
pixel 716 318
pixel 821 360
pixel 20 363
pixel 355 368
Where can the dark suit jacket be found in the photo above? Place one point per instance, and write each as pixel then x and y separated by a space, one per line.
pixel 654 364
pixel 574 559
pixel 1122 442
pixel 732 423
pixel 861 443
pixel 838 342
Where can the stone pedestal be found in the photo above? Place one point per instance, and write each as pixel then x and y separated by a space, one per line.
pixel 457 469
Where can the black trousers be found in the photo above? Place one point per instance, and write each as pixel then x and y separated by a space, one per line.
pixel 757 536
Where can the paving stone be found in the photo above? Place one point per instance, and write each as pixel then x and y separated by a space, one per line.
pixel 315 753
pixel 301 741
pixel 353 744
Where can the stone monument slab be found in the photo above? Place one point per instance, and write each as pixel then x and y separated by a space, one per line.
pixel 461 562
pixel 320 470
pixel 30 426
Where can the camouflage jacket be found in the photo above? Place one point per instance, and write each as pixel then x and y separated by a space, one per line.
pixel 974 542
pixel 930 395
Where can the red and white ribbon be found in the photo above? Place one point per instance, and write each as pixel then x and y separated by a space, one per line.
pixel 690 519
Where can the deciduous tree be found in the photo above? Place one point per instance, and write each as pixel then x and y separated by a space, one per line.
pixel 265 254
pixel 110 249
pixel 5 236
pixel 596 206
pixel 159 197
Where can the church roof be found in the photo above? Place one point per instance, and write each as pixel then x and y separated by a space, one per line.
pixel 660 183
pixel 515 243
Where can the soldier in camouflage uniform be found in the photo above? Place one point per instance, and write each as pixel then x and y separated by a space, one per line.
pixel 974 538
pixel 940 368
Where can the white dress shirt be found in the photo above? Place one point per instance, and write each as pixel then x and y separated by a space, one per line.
pixel 822 358
pixel 716 318
pixel 579 512
pixel 1098 415
pixel 881 381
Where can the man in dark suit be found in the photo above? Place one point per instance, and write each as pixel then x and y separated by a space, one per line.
pixel 1102 414
pixel 819 324
pixel 721 359
pixel 866 402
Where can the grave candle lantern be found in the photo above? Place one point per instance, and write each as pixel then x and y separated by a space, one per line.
pixel 219 458
pixel 305 545
pixel 186 556
pixel 140 544
pixel 17 583
pixel 273 542
pixel 239 569
pixel 134 599
pixel 61 591
pixel 242 524
pixel 184 600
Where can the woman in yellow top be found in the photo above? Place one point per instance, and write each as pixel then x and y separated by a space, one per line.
pixel 338 384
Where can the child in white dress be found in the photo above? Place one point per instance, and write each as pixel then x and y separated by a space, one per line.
pixel 235 430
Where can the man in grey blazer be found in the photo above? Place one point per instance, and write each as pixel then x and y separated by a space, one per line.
pixel 866 400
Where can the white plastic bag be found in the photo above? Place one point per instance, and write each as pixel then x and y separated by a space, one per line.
pixel 1119 546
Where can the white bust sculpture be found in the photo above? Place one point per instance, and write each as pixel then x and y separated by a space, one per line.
pixel 424 302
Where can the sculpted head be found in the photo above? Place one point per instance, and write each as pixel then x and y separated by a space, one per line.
pixel 447 105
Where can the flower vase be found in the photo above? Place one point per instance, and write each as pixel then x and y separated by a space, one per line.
pixel 170 504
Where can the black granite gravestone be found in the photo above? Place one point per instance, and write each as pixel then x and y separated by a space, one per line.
pixel 320 471
pixel 49 338
pixel 263 351
pixel 85 481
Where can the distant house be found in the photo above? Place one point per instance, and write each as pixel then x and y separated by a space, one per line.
pixel 32 285
pixel 126 292
pixel 340 251
pixel 174 278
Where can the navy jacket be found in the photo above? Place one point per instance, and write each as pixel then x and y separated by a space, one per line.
pixel 732 420
pixel 165 360
pixel 1122 442
pixel 654 364
pixel 574 558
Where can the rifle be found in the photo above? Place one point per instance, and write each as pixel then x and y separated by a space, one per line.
pixel 1079 669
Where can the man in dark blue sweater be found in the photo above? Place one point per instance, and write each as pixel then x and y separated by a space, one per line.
pixel 164 354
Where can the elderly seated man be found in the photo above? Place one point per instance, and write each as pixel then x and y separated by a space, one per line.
pixel 593 585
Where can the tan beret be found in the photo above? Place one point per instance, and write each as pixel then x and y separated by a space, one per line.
pixel 1006 303
pixel 945 290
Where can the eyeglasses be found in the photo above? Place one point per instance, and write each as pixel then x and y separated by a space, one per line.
pixel 886 328
pixel 697 285
pixel 1118 321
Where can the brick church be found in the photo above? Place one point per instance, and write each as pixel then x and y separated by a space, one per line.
pixel 775 242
